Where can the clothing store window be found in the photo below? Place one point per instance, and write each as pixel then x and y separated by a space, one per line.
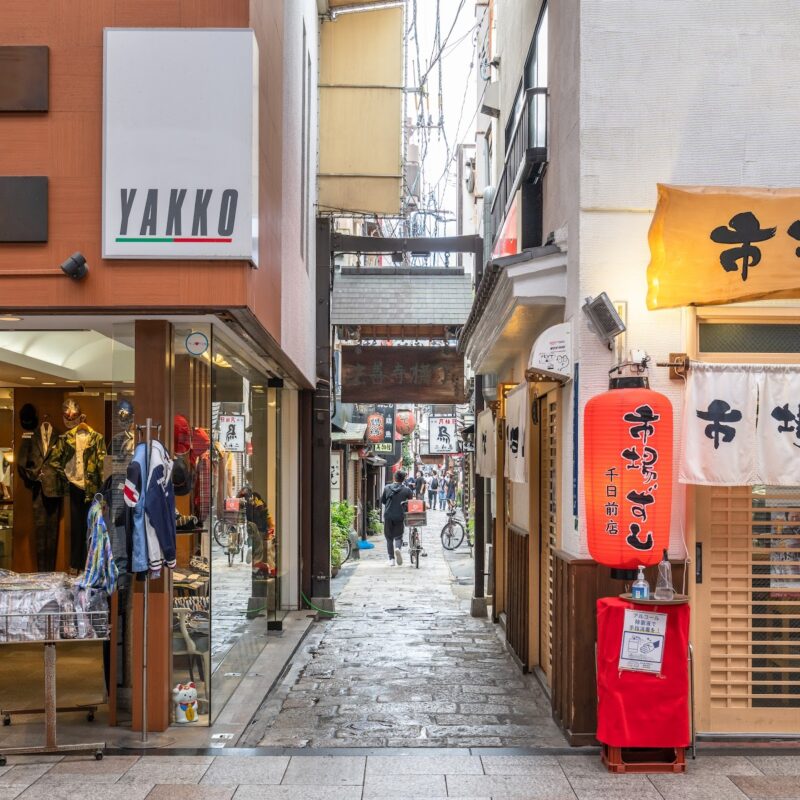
pixel 192 476
pixel 61 551
pixel 243 511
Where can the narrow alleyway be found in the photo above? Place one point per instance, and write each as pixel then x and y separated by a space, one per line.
pixel 404 665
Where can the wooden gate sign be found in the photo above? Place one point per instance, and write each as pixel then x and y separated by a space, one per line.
pixel 372 374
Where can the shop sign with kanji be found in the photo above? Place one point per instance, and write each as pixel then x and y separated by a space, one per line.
pixel 741 425
pixel 715 245
pixel 372 374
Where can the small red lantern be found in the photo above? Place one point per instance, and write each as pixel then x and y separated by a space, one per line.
pixel 404 422
pixel 375 428
pixel 627 436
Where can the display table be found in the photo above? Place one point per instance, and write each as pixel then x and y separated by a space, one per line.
pixel 640 709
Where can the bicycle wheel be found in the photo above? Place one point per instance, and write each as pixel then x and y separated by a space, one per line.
pixel 346 548
pixel 452 535
pixel 222 533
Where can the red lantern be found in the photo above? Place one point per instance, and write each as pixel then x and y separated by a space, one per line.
pixel 404 422
pixel 375 428
pixel 627 438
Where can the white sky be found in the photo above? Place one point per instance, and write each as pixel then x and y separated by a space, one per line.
pixel 458 100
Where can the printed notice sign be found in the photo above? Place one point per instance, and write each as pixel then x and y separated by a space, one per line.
pixel 231 432
pixel 643 637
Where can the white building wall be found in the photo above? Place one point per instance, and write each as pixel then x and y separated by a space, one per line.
pixel 680 92
pixel 298 311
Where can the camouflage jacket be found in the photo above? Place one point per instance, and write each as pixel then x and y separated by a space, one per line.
pixel 62 458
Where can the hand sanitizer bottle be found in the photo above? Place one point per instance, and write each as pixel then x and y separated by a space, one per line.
pixel 664 590
pixel 641 588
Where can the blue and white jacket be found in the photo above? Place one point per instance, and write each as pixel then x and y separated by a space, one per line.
pixel 159 509
pixel 148 492
pixel 134 496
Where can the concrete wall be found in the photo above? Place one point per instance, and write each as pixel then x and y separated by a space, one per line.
pixel 675 92
pixel 515 24
pixel 298 266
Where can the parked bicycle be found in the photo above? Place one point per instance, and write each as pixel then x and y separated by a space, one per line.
pixel 413 520
pixel 230 530
pixel 452 532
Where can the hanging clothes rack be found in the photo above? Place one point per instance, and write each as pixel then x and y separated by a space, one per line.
pixel 145 741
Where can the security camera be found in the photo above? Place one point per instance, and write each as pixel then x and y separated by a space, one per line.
pixel 75 266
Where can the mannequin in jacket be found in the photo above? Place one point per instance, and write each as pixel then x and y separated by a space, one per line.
pixel 79 456
pixel 47 487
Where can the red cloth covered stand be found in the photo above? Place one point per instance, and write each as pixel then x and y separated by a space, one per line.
pixel 640 709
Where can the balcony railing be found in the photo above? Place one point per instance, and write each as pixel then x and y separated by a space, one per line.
pixel 526 154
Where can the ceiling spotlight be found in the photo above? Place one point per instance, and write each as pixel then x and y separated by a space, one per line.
pixel 75 266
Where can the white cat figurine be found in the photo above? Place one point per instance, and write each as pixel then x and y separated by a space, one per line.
pixel 184 698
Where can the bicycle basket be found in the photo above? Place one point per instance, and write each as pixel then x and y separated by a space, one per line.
pixel 415 519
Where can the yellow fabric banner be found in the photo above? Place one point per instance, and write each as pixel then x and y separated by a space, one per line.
pixel 711 245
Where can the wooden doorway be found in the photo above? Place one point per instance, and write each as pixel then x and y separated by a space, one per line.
pixel 545 516
pixel 747 609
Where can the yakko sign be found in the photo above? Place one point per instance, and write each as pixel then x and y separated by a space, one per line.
pixel 180 166
pixel 175 226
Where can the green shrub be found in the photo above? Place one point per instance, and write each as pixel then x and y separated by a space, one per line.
pixel 375 524
pixel 343 514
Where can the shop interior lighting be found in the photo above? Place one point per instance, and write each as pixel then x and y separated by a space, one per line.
pixel 9 318
pixel 27 378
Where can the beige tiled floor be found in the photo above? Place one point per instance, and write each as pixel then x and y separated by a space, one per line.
pixel 398 776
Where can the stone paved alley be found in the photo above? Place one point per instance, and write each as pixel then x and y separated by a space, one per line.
pixel 403 664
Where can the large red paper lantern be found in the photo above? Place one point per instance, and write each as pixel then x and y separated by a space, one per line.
pixel 627 455
pixel 404 422
pixel 375 428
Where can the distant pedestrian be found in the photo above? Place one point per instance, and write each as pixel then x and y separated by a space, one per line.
pixel 451 492
pixel 442 493
pixel 433 487
pixel 419 487
pixel 393 497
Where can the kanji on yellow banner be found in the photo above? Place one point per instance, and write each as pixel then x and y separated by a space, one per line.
pixel 711 245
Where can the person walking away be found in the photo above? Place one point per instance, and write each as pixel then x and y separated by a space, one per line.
pixel 419 487
pixel 451 492
pixel 393 497
pixel 442 492
pixel 433 487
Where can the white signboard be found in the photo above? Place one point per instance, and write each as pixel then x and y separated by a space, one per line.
pixel 231 432
pixel 643 637
pixel 442 435
pixel 551 353
pixel 180 144
pixel 336 476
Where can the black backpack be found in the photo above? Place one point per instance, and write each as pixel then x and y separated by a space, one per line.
pixel 435 484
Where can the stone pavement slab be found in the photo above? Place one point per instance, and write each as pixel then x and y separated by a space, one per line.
pixel 298 793
pixel 326 770
pixel 550 785
pixel 772 787
pixel 424 765
pixel 182 791
pixel 419 785
pixel 704 787
pixel 614 787
pixel 233 770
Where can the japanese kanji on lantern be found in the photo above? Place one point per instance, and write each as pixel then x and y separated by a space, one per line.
pixel 375 427
pixel 627 437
